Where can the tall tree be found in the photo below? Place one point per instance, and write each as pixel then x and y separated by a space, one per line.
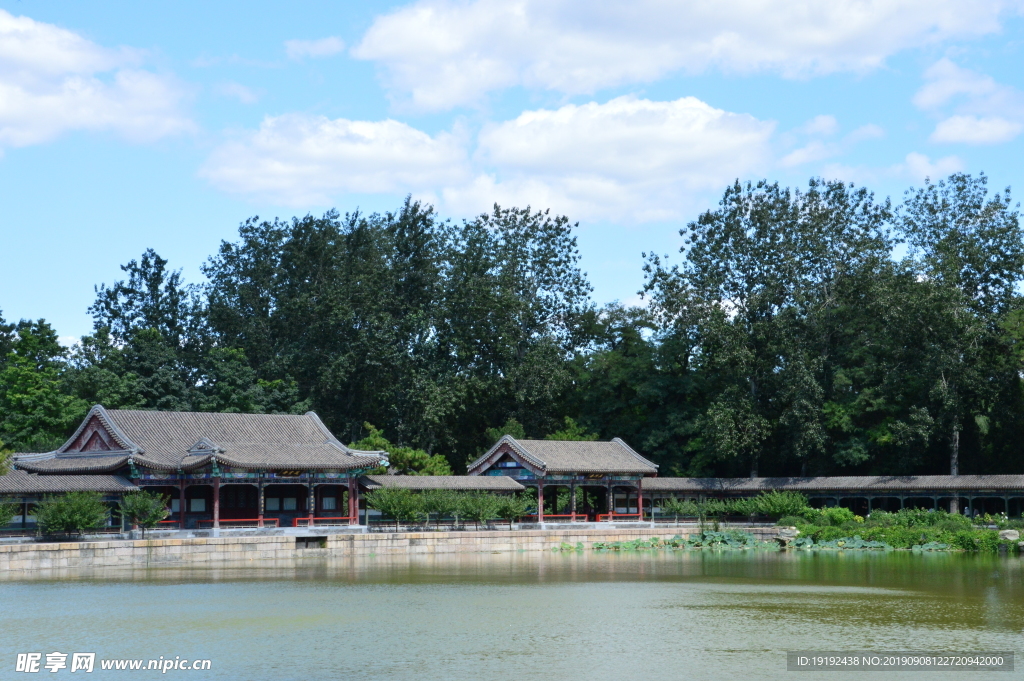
pixel 970 247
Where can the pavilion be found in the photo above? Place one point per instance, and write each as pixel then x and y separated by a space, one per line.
pixel 262 469
pixel 610 474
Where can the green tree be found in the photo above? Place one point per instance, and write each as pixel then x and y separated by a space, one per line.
pixel 7 513
pixel 970 247
pixel 572 431
pixel 401 504
pixel 36 411
pixel 72 513
pixel 145 509
pixel 402 460
pixel 479 506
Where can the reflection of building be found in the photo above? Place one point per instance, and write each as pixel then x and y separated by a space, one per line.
pixel 610 475
pixel 255 468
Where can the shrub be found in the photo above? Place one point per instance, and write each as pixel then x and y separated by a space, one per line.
pixel 7 513
pixel 144 509
pixel 776 504
pixel 788 520
pixel 72 513
pixel 479 506
pixel 514 506
pixel 678 507
pixel 400 504
pixel 439 502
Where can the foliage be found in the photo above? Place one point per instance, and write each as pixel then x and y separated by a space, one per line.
pixel 8 512
pixel 515 506
pixel 794 336
pixel 398 503
pixel 145 509
pixel 402 460
pixel 776 504
pixel 572 431
pixel 72 513
pixel 479 506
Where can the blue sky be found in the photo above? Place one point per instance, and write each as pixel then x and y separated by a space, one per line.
pixel 127 125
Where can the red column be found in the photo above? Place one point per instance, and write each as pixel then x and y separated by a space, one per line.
pixel 311 502
pixel 350 497
pixel 540 503
pixel 640 499
pixel 216 503
pixel 181 504
pixel 355 502
pixel 260 503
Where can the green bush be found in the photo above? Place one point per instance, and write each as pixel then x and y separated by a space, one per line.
pixel 777 504
pixel 73 513
pixel 793 520
pixel 515 506
pixel 7 513
pixel 479 506
pixel 398 503
pixel 144 509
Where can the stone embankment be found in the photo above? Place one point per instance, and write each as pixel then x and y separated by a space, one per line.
pixel 246 549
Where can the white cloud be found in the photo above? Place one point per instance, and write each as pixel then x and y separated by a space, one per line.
pixel 631 159
pixel 325 47
pixel 238 91
pixel 987 112
pixel 918 166
pixel 297 159
pixel 53 81
pixel 915 167
pixel 975 130
pixel 820 125
pixel 818 149
pixel 441 53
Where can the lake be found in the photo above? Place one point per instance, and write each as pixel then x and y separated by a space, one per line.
pixel 551 616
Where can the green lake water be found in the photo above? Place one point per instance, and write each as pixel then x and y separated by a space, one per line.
pixel 632 616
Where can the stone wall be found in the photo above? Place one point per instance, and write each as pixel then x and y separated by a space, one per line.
pixel 235 550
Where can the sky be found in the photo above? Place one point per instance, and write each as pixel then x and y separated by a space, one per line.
pixel 127 125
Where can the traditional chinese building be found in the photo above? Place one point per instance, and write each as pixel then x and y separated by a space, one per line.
pixel 258 468
pixel 609 474
pixel 26 490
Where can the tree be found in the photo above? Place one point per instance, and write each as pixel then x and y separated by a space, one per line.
pixel 479 506
pixel 7 513
pixel 72 513
pixel 756 269
pixel 399 503
pixel 512 507
pixel 572 431
pixel 971 248
pixel 145 509
pixel 402 460
pixel 36 411
pixel 440 503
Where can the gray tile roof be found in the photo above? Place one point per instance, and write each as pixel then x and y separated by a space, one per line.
pixel 871 483
pixel 572 456
pixel 493 483
pixel 22 483
pixel 171 440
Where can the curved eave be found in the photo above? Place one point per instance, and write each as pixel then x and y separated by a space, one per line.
pixel 71 466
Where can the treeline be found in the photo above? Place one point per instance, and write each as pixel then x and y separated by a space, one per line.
pixel 814 331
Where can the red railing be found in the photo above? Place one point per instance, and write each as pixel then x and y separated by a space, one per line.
pixel 312 522
pixel 242 522
pixel 573 517
pixel 169 522
pixel 608 517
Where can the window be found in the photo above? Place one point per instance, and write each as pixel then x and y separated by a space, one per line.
pixel 175 505
pixel 273 503
pixel 328 503
pixel 197 505
pixel 289 504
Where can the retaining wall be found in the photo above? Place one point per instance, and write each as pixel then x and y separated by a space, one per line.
pixel 227 550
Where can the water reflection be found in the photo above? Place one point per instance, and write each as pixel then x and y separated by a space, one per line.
pixel 658 615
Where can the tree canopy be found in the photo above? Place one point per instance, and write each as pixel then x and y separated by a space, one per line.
pixel 813 331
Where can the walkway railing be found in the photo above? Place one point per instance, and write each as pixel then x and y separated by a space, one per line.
pixel 325 522
pixel 242 522
pixel 611 517
pixel 555 518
